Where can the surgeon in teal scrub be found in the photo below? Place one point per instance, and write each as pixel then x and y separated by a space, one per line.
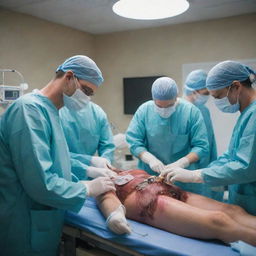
pixel 168 131
pixel 232 85
pixel 195 91
pixel 36 180
pixel 88 132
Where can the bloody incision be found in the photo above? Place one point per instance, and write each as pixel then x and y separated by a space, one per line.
pixel 147 189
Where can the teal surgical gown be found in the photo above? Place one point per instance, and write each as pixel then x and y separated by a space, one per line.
pixel 237 166
pixel 210 133
pixel 87 132
pixel 217 195
pixel 36 184
pixel 169 139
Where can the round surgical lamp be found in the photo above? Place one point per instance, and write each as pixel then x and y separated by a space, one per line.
pixel 150 9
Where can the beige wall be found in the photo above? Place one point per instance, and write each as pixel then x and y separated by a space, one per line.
pixel 35 48
pixel 163 50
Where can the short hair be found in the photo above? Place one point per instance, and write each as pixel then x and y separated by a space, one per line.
pixel 247 83
pixel 59 74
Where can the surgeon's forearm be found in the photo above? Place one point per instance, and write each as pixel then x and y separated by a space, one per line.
pixel 83 158
pixel 106 149
pixel 192 157
pixel 108 203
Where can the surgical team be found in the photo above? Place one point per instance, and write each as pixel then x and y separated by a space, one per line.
pixel 49 140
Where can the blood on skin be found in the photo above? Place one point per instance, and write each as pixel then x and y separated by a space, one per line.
pixel 146 199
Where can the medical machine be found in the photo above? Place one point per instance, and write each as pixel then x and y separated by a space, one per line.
pixel 9 93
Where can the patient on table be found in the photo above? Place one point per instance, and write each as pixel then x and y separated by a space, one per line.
pixel 149 200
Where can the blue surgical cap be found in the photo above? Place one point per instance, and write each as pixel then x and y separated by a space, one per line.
pixel 196 80
pixel 187 91
pixel 84 68
pixel 164 88
pixel 223 74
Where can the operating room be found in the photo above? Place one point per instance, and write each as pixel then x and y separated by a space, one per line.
pixel 38 40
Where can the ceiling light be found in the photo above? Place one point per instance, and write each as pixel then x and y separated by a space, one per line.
pixel 150 9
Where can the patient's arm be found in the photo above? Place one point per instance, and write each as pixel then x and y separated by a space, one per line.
pixel 114 211
pixel 108 203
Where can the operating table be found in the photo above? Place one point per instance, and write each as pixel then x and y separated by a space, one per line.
pixel 89 225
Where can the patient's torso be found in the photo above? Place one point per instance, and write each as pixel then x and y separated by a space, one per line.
pixel 143 190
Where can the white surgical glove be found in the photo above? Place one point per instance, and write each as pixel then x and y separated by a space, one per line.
pixel 117 222
pixel 183 175
pixel 94 172
pixel 182 163
pixel 155 164
pixel 100 162
pixel 98 186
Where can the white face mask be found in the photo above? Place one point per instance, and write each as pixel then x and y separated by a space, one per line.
pixel 77 101
pixel 201 99
pixel 165 112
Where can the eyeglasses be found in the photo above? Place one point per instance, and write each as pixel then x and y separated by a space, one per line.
pixel 85 89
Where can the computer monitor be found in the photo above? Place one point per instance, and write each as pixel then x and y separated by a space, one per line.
pixel 137 90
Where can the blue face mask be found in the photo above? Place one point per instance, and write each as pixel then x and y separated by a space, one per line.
pixel 201 99
pixel 225 106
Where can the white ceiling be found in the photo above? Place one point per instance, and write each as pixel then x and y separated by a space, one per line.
pixel 96 16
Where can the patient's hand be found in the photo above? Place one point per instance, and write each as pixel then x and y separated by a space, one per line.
pixel 117 222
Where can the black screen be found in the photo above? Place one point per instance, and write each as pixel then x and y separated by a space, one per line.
pixel 137 90
pixel 11 94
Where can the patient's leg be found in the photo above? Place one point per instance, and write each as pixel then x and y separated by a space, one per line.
pixel 235 212
pixel 186 220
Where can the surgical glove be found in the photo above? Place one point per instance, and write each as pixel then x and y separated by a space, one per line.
pixel 183 175
pixel 98 186
pixel 94 172
pixel 117 222
pixel 155 164
pixel 100 162
pixel 182 163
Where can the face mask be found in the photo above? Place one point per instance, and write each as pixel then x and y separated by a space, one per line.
pixel 165 112
pixel 77 101
pixel 201 99
pixel 225 106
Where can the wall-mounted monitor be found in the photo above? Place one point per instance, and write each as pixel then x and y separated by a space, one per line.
pixel 137 90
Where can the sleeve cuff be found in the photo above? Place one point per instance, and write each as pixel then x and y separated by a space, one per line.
pixel 139 150
pixel 199 152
